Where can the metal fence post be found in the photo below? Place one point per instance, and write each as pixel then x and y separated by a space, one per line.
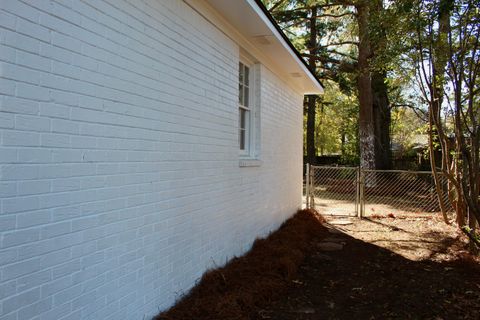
pixel 307 186
pixel 362 193
pixel 357 192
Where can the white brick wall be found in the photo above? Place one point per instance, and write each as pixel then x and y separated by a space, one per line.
pixel 119 172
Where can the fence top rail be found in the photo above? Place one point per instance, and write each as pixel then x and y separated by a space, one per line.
pixel 372 170
pixel 332 167
pixel 397 171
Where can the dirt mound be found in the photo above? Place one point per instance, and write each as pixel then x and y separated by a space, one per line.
pixel 247 283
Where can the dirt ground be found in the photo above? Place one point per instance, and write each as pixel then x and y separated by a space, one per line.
pixel 413 267
pixel 382 267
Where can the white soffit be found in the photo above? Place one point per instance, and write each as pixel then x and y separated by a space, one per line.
pixel 246 17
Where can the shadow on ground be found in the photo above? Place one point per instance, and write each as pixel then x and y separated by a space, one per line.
pixel 365 281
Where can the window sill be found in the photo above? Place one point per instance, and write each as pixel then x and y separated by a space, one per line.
pixel 249 163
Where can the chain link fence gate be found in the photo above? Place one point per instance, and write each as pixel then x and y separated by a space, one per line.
pixel 351 191
pixel 334 190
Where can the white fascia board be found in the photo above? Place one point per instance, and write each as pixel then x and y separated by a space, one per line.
pixel 216 11
pixel 285 45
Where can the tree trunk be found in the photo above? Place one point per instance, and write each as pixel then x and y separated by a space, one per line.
pixel 382 120
pixel 439 65
pixel 364 83
pixel 312 99
pixel 311 106
pixel 381 104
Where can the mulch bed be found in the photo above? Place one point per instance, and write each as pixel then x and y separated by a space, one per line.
pixel 247 284
pixel 290 276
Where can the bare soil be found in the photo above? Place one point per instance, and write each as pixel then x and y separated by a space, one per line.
pixel 383 267
pixel 389 268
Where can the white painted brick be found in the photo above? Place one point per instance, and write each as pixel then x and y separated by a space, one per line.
pixel 8 155
pixel 67 295
pixel 84 223
pixel 7 87
pixel 19 204
pixel 65 126
pixel 76 315
pixel 64 98
pixel 33 218
pixel 19 41
pixel 34 309
pixel 34 155
pixel 124 144
pixel 28 91
pixel 25 267
pixel 20 300
pixel 7 120
pixel 63 213
pixel 56 258
pixel 25 122
pixel 57 229
pixel 8 189
pixel 11 316
pixel 54 110
pixel 66 268
pixel 55 140
pixel 18 172
pixel 66 42
pixel 7 20
pixel 49 51
pixel 33 187
pixel 55 200
pixel 20 138
pixel 57 285
pixel 8 54
pixel 33 61
pixel 33 30
pixel 68 155
pixel 8 289
pixel 7 222
pixel 57 312
pixel 20 9
pixel 16 238
pixel 16 105
pixel 84 142
pixel 19 73
pixel 61 185
pixel 34 279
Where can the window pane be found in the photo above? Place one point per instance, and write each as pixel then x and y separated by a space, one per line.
pixel 240 94
pixel 246 96
pixel 243 128
pixel 247 73
pixel 240 72
pixel 242 118
pixel 242 139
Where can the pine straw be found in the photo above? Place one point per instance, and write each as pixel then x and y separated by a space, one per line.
pixel 245 284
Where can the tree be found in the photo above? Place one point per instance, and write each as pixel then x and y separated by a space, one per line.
pixel 302 14
pixel 447 60
pixel 339 45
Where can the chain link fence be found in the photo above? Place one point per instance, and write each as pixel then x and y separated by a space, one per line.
pixel 400 192
pixel 349 191
pixel 334 189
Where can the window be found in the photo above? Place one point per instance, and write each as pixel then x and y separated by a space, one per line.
pixel 244 108
pixel 249 113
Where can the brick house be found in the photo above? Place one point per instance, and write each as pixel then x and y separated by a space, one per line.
pixel 141 142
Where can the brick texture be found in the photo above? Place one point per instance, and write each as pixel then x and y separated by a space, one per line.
pixel 120 181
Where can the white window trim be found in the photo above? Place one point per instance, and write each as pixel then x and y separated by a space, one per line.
pixel 250 156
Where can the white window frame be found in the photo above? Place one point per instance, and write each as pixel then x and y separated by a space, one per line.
pixel 249 108
pixel 251 150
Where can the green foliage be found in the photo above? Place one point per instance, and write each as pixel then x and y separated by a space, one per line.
pixel 337 124
pixel 408 131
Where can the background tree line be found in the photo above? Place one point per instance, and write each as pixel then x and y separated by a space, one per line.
pixel 392 69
